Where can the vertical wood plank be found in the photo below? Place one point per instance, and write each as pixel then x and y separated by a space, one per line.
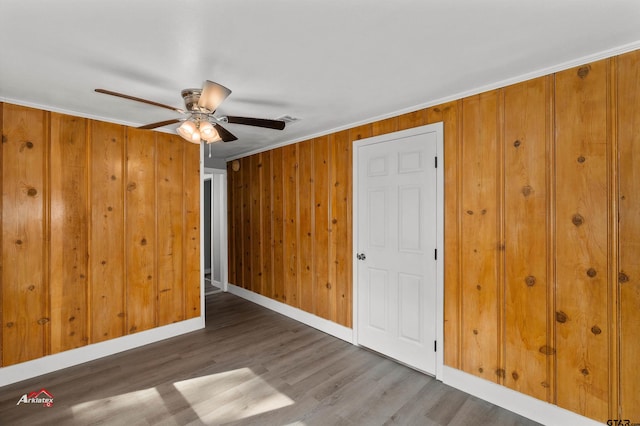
pixel 24 261
pixel 69 233
pixel 231 224
pixel 278 224
pixel 479 237
pixel 582 240
pixel 306 254
pixel 106 262
pixel 628 282
pixel 267 225
pixel 341 229
pixel 290 169
pixel 141 230
pixel 527 349
pixel 325 292
pixel 255 188
pixel 2 141
pixel 191 245
pixel 247 267
pixel 450 114
pixel 170 290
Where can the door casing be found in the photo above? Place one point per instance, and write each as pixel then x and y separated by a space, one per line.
pixel 388 138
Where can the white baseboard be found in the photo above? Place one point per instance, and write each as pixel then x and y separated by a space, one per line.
pixel 519 403
pixel 326 326
pixel 37 367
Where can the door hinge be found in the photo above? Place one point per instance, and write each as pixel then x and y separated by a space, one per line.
pixel 436 162
pixel 435 254
pixel 435 346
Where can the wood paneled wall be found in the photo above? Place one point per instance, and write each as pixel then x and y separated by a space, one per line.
pixel 100 232
pixel 542 232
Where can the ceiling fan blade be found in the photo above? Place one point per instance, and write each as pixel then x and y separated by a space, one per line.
pixel 225 135
pixel 144 101
pixel 213 94
pixel 259 122
pixel 160 124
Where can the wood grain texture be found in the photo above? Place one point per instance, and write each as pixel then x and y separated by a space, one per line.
pixel 169 229
pixel 278 224
pixel 76 269
pixel 69 241
pixel 246 172
pixel 25 314
pixel 628 282
pixel 267 225
pixel 451 115
pixel 341 242
pixel 231 224
pixel 191 245
pixel 480 237
pixel 325 291
pixel 582 201
pixel 306 228
pixel 141 231
pixel 290 221
pixel 527 346
pixel 106 261
pixel 255 207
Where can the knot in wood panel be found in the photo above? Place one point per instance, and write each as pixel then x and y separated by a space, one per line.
pixel 43 321
pixel 547 350
pixel 32 192
pixel 583 72
pixel 500 373
pixel 530 281
pixel 585 372
pixel 517 143
pixel 527 190
pixel 515 375
pixel 581 159
pixel 596 330
pixel 577 219
pixel 561 317
pixel 591 272
pixel 622 277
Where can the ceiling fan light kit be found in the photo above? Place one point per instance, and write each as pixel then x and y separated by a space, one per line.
pixel 201 123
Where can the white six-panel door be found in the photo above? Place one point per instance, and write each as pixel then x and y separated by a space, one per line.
pixel 396 243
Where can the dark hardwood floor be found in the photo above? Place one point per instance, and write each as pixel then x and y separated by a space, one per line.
pixel 249 366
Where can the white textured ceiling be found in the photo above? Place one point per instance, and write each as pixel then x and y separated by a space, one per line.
pixel 331 63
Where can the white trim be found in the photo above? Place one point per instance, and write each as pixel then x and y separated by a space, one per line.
pixel 625 48
pixel 524 405
pixel 47 364
pixel 438 128
pixel 326 326
pixel 221 204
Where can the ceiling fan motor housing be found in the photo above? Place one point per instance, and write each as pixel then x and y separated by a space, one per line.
pixel 191 98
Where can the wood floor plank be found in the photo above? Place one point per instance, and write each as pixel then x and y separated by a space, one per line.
pixel 249 366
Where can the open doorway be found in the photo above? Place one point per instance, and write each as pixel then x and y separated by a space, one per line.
pixel 214 231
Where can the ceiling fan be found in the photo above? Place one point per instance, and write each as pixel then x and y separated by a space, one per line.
pixel 201 123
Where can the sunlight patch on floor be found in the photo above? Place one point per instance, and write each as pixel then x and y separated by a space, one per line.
pixel 215 398
pixel 232 395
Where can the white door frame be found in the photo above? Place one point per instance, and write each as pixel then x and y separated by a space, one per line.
pixel 439 129
pixel 220 204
